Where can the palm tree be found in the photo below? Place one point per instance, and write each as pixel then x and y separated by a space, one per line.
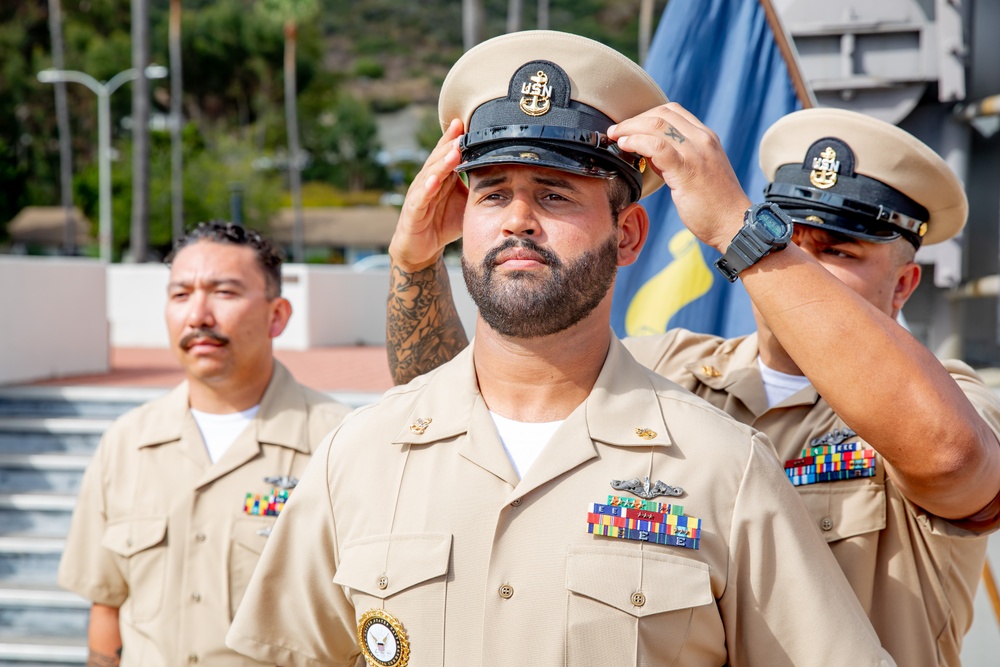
pixel 176 122
pixel 290 13
pixel 472 23
pixel 645 28
pixel 140 131
pixel 62 122
pixel 515 12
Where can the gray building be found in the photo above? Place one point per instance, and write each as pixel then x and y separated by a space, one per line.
pixel 933 68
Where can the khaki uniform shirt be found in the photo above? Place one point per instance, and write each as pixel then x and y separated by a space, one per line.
pixel 161 532
pixel 914 573
pixel 415 509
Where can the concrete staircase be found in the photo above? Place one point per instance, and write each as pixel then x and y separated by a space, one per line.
pixel 47 436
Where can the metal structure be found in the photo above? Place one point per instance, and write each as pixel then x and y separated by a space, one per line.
pixel 933 68
pixel 103 92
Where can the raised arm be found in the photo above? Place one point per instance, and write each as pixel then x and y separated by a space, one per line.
pixel 877 377
pixel 423 329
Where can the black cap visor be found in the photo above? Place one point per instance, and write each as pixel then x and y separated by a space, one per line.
pixel 582 152
pixel 862 230
pixel 850 215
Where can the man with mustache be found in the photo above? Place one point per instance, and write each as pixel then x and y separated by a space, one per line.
pixel 543 499
pixel 182 492
pixel 829 376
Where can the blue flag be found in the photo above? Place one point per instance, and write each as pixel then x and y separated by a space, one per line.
pixel 719 60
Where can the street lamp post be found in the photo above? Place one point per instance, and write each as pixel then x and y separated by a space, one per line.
pixel 103 92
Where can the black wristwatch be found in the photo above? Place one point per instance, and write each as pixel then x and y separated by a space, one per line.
pixel 766 228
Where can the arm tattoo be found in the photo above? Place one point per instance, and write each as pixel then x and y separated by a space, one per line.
pixel 96 659
pixel 674 134
pixel 423 329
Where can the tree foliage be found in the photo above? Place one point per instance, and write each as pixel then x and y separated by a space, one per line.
pixel 354 60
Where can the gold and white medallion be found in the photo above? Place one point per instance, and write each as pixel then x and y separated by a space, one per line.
pixel 382 639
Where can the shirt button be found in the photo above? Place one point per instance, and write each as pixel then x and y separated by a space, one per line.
pixel 193 658
pixel 199 537
pixel 383 582
pixel 516 502
pixel 196 597
pixel 826 523
pixel 638 599
pixel 506 591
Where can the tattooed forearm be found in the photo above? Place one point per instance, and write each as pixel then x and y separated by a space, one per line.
pixel 423 329
pixel 96 659
pixel 675 135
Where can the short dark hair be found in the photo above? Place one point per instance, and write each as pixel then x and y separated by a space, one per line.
pixel 269 256
pixel 619 196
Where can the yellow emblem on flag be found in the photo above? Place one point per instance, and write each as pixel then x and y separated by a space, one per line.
pixel 682 281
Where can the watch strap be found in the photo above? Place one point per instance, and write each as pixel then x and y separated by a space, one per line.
pixel 747 247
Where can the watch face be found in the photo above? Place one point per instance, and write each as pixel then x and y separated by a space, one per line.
pixel 774 225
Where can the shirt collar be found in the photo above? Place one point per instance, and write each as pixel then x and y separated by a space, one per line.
pixel 737 374
pixel 281 420
pixel 445 399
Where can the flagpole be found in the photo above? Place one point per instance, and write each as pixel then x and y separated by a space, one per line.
pixel 802 89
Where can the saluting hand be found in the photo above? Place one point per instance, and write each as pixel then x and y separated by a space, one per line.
pixel 691 160
pixel 432 212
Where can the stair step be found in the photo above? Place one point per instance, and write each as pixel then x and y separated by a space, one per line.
pixel 30 480
pixel 40 596
pixel 44 611
pixel 29 544
pixel 54 424
pixel 54 502
pixel 39 436
pixel 36 514
pixel 45 473
pixel 30 560
pixel 19 461
pixel 103 402
pixel 43 651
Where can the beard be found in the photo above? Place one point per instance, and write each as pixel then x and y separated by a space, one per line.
pixel 524 304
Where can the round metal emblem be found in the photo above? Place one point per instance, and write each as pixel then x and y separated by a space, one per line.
pixel 382 639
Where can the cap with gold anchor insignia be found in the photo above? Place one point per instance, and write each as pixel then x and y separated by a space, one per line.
pixel 547 99
pixel 862 177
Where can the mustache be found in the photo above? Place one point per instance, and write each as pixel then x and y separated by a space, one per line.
pixel 547 255
pixel 188 340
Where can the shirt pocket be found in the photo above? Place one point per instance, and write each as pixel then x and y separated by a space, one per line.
pixel 847 508
pixel 247 539
pixel 630 607
pixel 405 575
pixel 140 547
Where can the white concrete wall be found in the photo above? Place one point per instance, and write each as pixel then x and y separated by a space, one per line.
pixel 331 305
pixel 137 297
pixel 55 318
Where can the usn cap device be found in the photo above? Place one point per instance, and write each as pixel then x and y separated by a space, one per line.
pixel 862 177
pixel 546 98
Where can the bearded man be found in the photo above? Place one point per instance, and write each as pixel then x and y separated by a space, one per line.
pixel 543 499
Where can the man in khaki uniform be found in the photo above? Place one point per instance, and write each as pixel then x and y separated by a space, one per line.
pixel 182 492
pixel 543 499
pixel 903 495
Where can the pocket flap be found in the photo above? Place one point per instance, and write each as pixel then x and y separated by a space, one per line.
pixel 846 508
pixel 403 561
pixel 127 538
pixel 251 533
pixel 614 576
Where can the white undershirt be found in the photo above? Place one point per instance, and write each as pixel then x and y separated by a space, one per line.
pixel 220 431
pixel 523 441
pixel 777 385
